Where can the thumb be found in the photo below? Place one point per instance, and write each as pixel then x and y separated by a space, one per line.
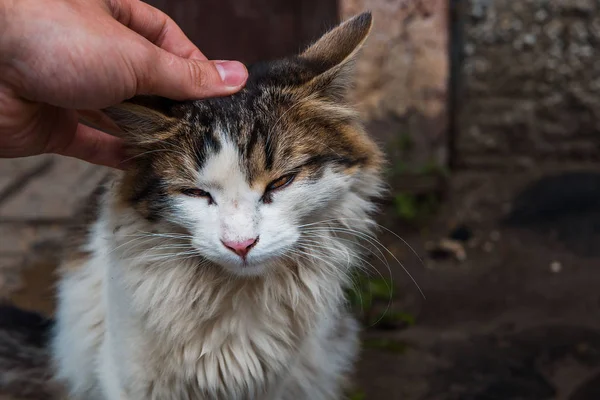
pixel 179 78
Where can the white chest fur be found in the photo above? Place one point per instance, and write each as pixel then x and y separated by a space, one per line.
pixel 178 330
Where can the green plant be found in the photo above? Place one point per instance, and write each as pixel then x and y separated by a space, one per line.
pixel 389 345
pixel 433 168
pixel 406 206
pixel 396 317
pixel 357 395
pixel 367 290
pixel 411 207
pixel 405 142
pixel 371 298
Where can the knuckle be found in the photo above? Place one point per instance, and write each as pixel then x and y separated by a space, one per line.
pixel 198 74
pixel 145 74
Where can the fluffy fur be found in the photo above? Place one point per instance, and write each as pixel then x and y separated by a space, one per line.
pixel 155 306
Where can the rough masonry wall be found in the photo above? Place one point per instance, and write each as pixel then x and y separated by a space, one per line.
pixel 530 83
pixel 402 78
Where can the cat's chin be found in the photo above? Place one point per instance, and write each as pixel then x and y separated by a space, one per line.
pixel 251 267
pixel 245 269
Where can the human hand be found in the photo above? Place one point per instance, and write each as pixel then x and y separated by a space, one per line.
pixel 59 56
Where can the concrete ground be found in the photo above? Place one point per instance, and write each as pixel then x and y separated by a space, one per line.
pixel 516 318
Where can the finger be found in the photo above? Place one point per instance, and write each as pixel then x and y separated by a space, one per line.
pixel 95 147
pixel 98 120
pixel 157 27
pixel 178 78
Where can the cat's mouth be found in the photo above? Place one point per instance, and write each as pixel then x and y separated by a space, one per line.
pixel 254 263
pixel 246 267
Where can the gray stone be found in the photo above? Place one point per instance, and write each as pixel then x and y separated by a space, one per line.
pixel 531 83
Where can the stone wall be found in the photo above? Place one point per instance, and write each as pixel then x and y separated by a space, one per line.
pixel 530 83
pixel 402 77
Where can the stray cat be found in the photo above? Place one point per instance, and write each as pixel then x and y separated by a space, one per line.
pixel 217 264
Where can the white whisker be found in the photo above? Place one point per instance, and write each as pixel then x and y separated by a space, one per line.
pixel 371 239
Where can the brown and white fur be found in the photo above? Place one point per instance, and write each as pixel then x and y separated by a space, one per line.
pixel 155 305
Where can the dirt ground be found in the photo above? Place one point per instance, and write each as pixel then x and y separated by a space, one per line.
pixel 517 319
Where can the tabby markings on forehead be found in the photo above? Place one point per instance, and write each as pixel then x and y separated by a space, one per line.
pixel 222 168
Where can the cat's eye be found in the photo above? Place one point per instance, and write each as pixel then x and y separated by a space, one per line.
pixel 280 183
pixel 195 192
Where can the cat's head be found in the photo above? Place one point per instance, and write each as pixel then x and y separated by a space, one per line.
pixel 244 174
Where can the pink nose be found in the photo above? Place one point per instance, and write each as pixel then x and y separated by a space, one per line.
pixel 241 248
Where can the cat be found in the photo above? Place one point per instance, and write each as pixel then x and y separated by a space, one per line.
pixel 217 263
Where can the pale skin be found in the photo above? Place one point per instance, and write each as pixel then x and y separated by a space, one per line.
pixel 60 60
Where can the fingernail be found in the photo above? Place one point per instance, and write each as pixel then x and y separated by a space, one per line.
pixel 232 73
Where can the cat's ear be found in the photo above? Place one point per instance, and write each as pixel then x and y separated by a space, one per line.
pixel 144 120
pixel 331 56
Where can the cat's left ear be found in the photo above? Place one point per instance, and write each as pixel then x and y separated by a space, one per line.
pixel 144 120
pixel 331 57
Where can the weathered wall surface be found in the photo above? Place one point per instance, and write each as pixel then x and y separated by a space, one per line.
pixel 530 83
pixel 402 78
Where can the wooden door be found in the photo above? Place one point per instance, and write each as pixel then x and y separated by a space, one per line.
pixel 251 30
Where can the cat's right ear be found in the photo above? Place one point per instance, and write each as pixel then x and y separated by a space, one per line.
pixel 331 57
pixel 144 120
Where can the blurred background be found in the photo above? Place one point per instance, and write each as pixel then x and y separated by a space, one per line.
pixel 489 111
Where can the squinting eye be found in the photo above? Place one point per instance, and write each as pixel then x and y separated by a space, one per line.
pixel 194 192
pixel 281 182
